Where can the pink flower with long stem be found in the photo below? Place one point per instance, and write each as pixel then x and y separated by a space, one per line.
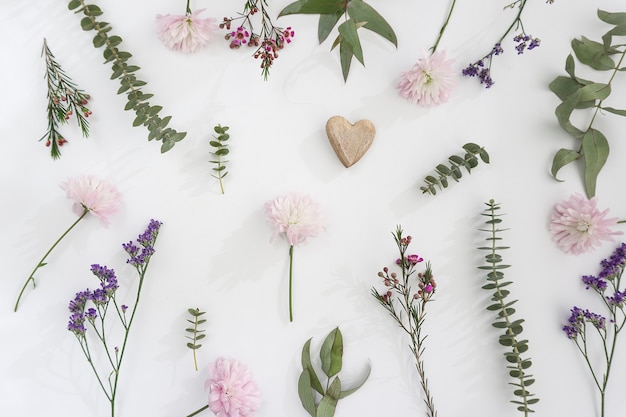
pixel 295 217
pixel 90 195
pixel 578 226
pixel 186 33
pixel 430 81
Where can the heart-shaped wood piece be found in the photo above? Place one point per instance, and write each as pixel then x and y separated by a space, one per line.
pixel 350 141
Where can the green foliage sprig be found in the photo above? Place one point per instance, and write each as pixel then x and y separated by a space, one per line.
pixel 408 306
pixel 196 333
pixel 309 385
pixel 221 150
pixel 357 14
pixel 511 327
pixel 469 161
pixel 579 94
pixel 64 100
pixel 146 114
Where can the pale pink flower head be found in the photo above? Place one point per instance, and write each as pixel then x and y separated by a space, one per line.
pixel 577 226
pixel 99 197
pixel 295 217
pixel 186 33
pixel 430 81
pixel 232 391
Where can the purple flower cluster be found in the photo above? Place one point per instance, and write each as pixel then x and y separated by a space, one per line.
pixel 596 283
pixel 577 322
pixel 140 257
pixel 99 296
pixel 614 266
pixel 522 42
pixel 478 68
pixel 617 299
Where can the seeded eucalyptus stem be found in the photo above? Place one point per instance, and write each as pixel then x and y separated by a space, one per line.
pixel 42 263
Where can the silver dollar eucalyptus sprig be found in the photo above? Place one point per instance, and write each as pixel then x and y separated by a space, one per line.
pixel 578 94
pixel 146 114
pixel 221 150
pixel 196 333
pixel 505 321
pixel 64 100
pixel 309 385
pixel 468 161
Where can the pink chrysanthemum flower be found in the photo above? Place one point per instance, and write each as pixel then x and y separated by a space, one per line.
pixel 186 33
pixel 232 391
pixel 577 226
pixel 89 193
pixel 429 82
pixel 295 217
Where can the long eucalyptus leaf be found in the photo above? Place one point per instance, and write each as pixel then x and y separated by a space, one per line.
pixel 596 151
pixel 360 11
pixel 313 7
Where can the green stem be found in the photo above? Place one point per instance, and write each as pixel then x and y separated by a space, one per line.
pixel 41 262
pixel 443 28
pixel 517 19
pixel 198 411
pixel 188 8
pixel 290 282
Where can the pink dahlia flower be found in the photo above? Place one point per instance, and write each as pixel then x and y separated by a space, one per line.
pixel 232 391
pixel 429 82
pixel 577 226
pixel 186 33
pixel 295 217
pixel 89 193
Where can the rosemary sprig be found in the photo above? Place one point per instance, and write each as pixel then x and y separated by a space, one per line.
pixel 196 333
pixel 221 150
pixel 64 100
pixel 512 327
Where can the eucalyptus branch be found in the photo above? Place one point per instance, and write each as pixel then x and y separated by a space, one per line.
pixel 221 150
pixel 468 161
pixel 64 100
pixel 579 94
pixel 146 114
pixel 196 333
pixel 511 327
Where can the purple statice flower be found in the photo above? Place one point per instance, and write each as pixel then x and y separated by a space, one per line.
pixel 76 323
pixel 617 299
pixel 522 43
pixel 614 265
pixel 478 68
pixel 139 257
pixel 596 283
pixel 577 319
pixel 108 280
pixel 91 314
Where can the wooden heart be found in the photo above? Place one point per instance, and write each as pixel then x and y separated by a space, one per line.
pixel 350 141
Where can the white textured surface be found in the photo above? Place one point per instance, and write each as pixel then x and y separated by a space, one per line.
pixel 214 251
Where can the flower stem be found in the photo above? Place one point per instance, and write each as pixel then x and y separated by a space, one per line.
pixel 42 263
pixel 188 8
pixel 198 411
pixel 290 282
pixel 443 27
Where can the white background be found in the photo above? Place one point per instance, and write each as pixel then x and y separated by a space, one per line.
pixel 214 250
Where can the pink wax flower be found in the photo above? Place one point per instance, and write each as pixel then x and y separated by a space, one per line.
pixel 232 391
pixel 96 196
pixel 430 81
pixel 578 226
pixel 186 33
pixel 295 217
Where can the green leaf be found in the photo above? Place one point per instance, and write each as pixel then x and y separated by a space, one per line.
pixel 313 7
pixel 305 393
pixel 306 364
pixel 331 353
pixel 99 40
pixel 562 158
pixel 345 55
pixel 596 152
pixel 617 19
pixel 360 11
pixel 166 146
pixel 328 403
pixel 350 37
pixel 344 394
pixel 326 24
pixel 73 4
pixel 614 111
pixel 593 54
pixel 87 24
pixel 564 87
